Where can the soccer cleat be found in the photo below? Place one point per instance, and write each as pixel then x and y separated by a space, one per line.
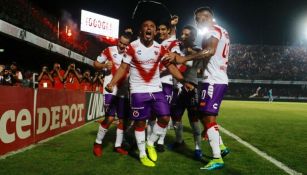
pixel 147 162
pixel 214 164
pixel 152 153
pixel 160 148
pixel 224 150
pixel 198 154
pixel 121 150
pixel 97 150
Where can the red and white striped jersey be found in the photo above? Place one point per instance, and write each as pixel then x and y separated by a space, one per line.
pixel 171 44
pixel 144 66
pixel 216 71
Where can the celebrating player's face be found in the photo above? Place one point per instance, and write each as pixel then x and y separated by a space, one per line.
pixel 148 30
pixel 203 19
pixel 122 44
pixel 186 35
pixel 163 32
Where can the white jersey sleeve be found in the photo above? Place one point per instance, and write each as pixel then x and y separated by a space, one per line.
pixel 102 57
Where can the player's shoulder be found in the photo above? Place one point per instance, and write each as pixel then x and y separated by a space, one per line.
pixel 113 48
pixel 157 45
pixel 219 28
pixel 135 43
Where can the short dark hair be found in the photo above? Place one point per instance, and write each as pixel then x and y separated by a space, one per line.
pixel 127 35
pixel 166 23
pixel 192 29
pixel 201 9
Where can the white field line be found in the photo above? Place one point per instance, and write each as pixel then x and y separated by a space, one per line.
pixel 261 153
pixel 40 142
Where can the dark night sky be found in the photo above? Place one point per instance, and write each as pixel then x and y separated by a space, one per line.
pixel 248 21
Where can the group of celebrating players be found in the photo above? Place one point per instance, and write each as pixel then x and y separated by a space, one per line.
pixel 151 83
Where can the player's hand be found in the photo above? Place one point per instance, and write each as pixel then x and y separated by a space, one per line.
pixel 109 65
pixel 169 57
pixel 189 86
pixel 109 88
pixel 174 20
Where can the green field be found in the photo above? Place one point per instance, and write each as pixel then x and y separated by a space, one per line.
pixel 278 129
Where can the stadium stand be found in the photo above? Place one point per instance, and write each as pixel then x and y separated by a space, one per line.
pixel 250 66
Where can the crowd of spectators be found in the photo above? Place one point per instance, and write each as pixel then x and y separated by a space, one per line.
pixel 56 78
pixel 252 62
pixel 263 62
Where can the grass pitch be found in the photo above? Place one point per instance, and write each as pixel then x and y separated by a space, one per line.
pixel 278 129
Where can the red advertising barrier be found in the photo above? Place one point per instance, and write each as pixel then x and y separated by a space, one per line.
pixel 23 124
pixel 16 118
pixel 58 111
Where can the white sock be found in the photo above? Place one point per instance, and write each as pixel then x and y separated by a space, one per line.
pixel 221 141
pixel 162 137
pixel 119 137
pixel 197 134
pixel 178 131
pixel 101 133
pixel 150 125
pixel 214 141
pixel 156 133
pixel 140 140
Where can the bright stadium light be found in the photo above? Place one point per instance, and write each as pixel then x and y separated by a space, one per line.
pixel 203 31
pixel 302 28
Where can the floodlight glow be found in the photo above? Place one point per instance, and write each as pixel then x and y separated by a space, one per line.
pixel 203 31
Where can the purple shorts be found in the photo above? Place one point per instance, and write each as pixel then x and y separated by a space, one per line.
pixel 142 104
pixel 184 100
pixel 210 97
pixel 116 105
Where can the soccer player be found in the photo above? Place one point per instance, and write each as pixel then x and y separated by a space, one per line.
pixel 171 44
pixel 212 87
pixel 256 93
pixel 144 56
pixel 270 94
pixel 187 98
pixel 117 101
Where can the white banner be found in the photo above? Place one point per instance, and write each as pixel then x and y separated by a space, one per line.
pixel 99 24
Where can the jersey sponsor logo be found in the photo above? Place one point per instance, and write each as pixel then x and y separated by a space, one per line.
pixel 156 52
pixel 215 106
pixel 139 52
pixel 135 113
pixel 114 55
